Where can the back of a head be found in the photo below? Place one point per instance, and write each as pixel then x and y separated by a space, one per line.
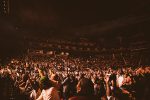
pixel 35 85
pixel 85 87
pixel 45 83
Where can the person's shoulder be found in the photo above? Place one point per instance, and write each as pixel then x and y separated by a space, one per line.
pixel 73 98
pixel 84 98
pixel 53 90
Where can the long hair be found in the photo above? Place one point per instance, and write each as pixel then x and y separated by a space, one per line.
pixel 85 87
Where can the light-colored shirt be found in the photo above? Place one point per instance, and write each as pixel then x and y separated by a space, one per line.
pixel 49 94
pixel 34 95
pixel 120 80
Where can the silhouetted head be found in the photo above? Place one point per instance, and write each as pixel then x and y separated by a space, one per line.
pixel 85 87
pixel 45 83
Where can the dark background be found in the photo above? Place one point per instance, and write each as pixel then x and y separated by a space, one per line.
pixel 70 18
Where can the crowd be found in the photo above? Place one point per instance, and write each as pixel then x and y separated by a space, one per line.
pixel 70 78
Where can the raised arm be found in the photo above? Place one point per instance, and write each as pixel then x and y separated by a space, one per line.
pixel 40 73
pixel 108 90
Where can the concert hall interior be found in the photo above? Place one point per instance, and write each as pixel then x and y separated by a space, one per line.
pixel 74 49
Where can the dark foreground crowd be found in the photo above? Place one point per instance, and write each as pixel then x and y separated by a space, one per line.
pixel 38 81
